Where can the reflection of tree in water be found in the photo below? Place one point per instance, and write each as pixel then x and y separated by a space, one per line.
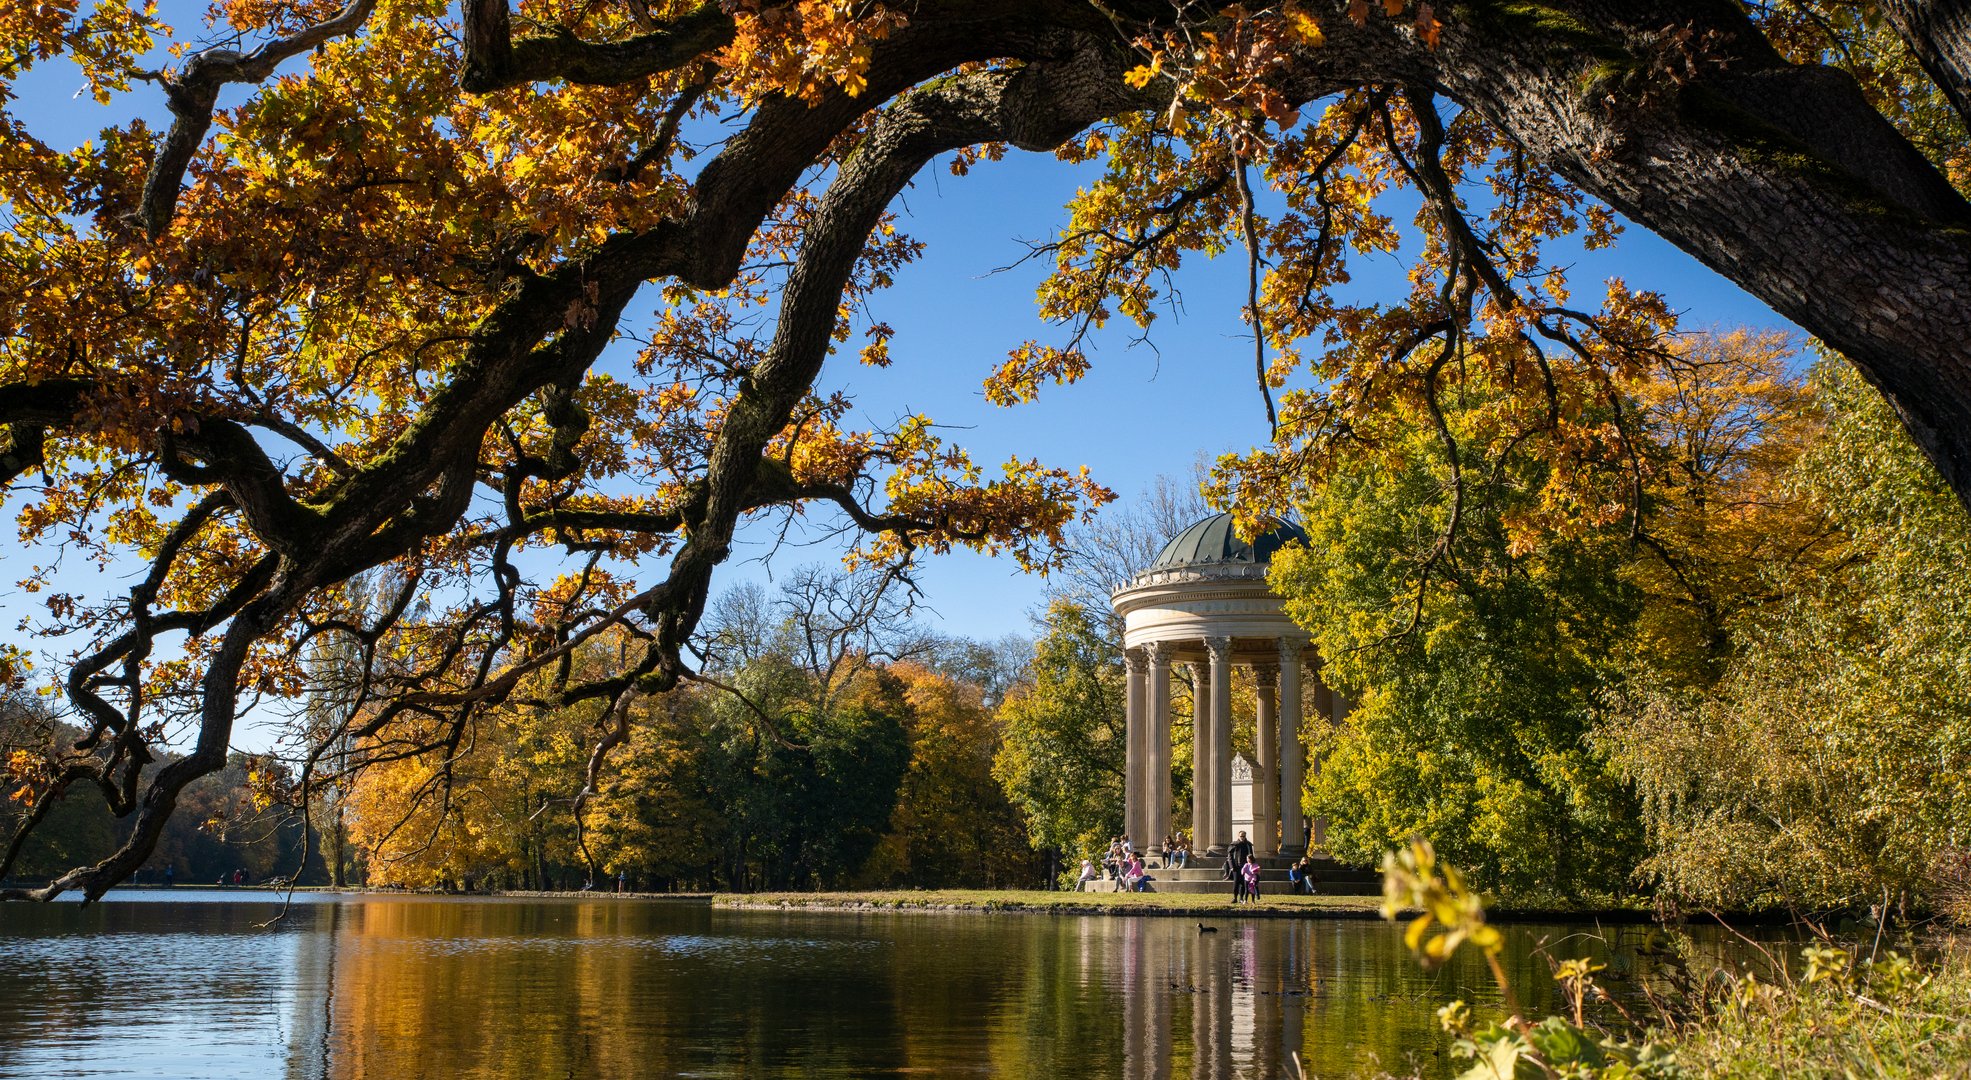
pixel 528 990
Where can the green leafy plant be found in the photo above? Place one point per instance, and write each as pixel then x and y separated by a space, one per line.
pixel 1451 916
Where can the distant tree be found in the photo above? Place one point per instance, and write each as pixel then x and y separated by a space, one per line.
pixel 1106 551
pixel 1063 754
pixel 72 826
pixel 240 818
pixel 995 667
pixel 953 825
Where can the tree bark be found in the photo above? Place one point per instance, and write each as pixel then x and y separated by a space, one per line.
pixel 1780 177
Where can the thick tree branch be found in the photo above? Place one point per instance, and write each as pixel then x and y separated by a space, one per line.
pixel 1938 33
pixel 494 61
pixel 193 93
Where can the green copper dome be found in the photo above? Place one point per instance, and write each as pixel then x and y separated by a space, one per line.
pixel 1213 541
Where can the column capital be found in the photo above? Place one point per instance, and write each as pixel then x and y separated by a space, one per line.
pixel 1159 653
pixel 1135 661
pixel 1265 670
pixel 1292 652
pixel 1220 648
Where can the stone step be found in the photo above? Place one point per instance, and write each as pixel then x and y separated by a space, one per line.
pixel 1360 877
pixel 1206 874
pixel 1217 887
pixel 1322 867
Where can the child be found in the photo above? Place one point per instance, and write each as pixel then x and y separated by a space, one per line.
pixel 1251 871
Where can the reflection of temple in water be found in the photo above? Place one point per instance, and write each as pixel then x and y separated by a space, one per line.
pixel 523 991
pixel 1242 1018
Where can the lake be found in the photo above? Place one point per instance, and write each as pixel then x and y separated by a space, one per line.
pixel 188 983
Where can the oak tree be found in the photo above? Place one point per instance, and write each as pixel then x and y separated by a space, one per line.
pixel 355 321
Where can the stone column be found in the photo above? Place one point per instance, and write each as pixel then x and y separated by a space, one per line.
pixel 1266 789
pixel 1290 759
pixel 1200 759
pixel 1220 650
pixel 1136 757
pixel 1157 790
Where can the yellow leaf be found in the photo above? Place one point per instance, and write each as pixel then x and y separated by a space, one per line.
pixel 1413 936
pixel 1304 27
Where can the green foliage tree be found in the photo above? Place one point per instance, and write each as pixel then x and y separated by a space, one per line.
pixel 1832 764
pixel 1062 760
pixel 752 788
pixel 1476 685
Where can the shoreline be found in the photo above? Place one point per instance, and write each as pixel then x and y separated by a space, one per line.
pixel 1002 902
pixel 1151 905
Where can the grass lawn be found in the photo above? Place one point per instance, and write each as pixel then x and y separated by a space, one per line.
pixel 1066 903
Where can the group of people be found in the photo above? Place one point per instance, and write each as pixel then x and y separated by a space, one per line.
pixel 1300 878
pixel 1122 864
pixel 1242 866
pixel 1123 867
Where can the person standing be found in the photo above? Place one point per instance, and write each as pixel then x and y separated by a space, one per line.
pixel 1236 857
pixel 1251 873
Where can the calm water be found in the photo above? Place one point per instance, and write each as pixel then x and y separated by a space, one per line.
pixel 184 984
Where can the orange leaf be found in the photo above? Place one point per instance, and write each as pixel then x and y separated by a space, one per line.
pixel 1428 28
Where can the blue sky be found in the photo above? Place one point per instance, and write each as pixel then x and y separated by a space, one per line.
pixel 1141 412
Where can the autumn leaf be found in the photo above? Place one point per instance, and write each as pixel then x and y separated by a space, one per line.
pixel 1428 28
pixel 1304 26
